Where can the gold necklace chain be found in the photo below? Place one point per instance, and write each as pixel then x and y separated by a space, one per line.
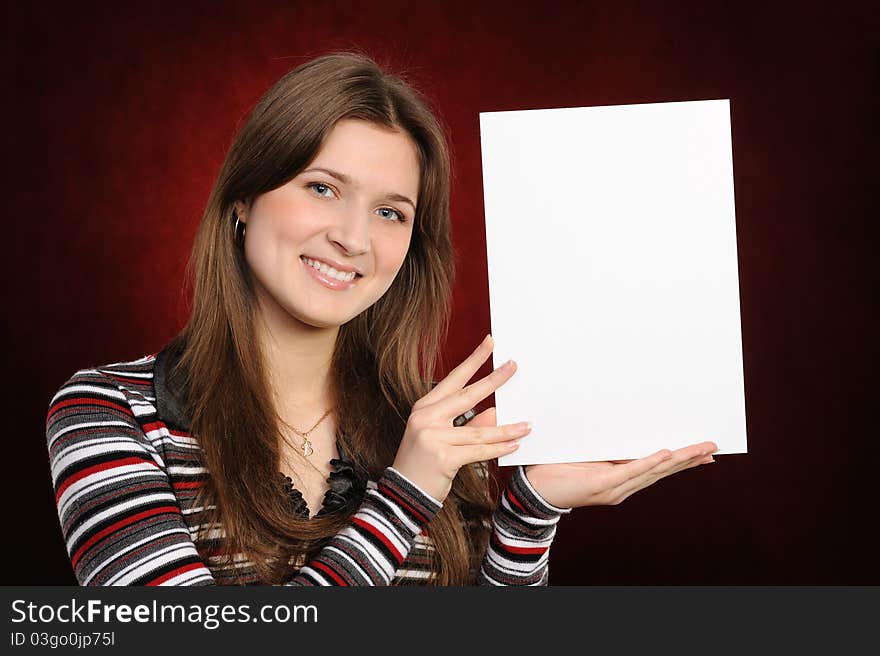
pixel 307 445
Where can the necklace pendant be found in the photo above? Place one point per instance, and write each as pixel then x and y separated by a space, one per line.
pixel 307 448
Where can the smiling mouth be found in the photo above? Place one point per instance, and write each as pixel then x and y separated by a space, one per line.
pixel 329 271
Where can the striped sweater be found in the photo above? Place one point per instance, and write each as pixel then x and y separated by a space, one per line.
pixel 126 473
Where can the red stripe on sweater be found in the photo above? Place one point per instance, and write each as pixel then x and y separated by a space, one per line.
pixel 382 538
pixel 329 572
pixel 119 525
pixel 158 425
pixel 87 401
pixel 400 502
pixel 183 569
pixel 514 501
pixel 88 471
pixel 186 485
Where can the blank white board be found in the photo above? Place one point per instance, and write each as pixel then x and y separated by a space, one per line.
pixel 613 278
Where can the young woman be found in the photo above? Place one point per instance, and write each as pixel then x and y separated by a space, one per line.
pixel 292 433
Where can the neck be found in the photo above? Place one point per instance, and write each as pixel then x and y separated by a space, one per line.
pixel 297 358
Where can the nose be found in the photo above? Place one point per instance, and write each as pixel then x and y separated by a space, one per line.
pixel 351 233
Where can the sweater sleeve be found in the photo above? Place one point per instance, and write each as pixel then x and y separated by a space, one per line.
pixel 122 523
pixel 523 527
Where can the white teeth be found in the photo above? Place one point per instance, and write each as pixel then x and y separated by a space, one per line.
pixel 329 271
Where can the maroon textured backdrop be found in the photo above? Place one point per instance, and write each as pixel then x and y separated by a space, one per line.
pixel 118 118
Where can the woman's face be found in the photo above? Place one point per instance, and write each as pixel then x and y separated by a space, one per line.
pixel 351 209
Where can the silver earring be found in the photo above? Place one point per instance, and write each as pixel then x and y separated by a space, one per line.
pixel 238 228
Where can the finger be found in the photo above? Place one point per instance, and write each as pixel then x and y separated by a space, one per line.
pixel 686 464
pixel 680 459
pixel 706 447
pixel 669 458
pixel 635 468
pixel 458 402
pixel 686 454
pixel 693 462
pixel 671 466
pixel 470 435
pixel 617 477
pixel 458 377
pixel 703 447
pixel 639 474
pixel 646 481
pixel 465 455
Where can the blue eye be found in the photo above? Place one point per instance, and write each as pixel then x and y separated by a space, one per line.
pixel 321 189
pixel 326 191
pixel 384 212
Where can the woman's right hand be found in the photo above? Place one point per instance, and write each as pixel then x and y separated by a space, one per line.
pixel 432 450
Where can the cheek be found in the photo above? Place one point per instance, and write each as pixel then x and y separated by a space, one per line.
pixel 393 255
pixel 285 218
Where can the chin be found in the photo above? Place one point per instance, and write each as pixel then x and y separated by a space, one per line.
pixel 319 322
pixel 323 320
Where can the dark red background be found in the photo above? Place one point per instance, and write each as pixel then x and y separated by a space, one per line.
pixel 118 119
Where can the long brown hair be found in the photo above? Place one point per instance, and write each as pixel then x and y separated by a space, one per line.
pixel 385 356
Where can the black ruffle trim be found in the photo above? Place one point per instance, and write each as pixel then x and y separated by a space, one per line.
pixel 347 485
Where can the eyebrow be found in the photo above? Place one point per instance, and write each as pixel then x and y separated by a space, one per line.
pixel 343 178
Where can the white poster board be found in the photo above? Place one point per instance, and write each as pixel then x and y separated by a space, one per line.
pixel 613 278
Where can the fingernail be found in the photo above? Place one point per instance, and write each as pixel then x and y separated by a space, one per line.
pixel 523 426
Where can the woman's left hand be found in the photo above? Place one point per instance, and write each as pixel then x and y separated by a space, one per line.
pixel 576 484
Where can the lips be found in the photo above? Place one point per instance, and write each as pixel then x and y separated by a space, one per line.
pixel 327 281
pixel 334 264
